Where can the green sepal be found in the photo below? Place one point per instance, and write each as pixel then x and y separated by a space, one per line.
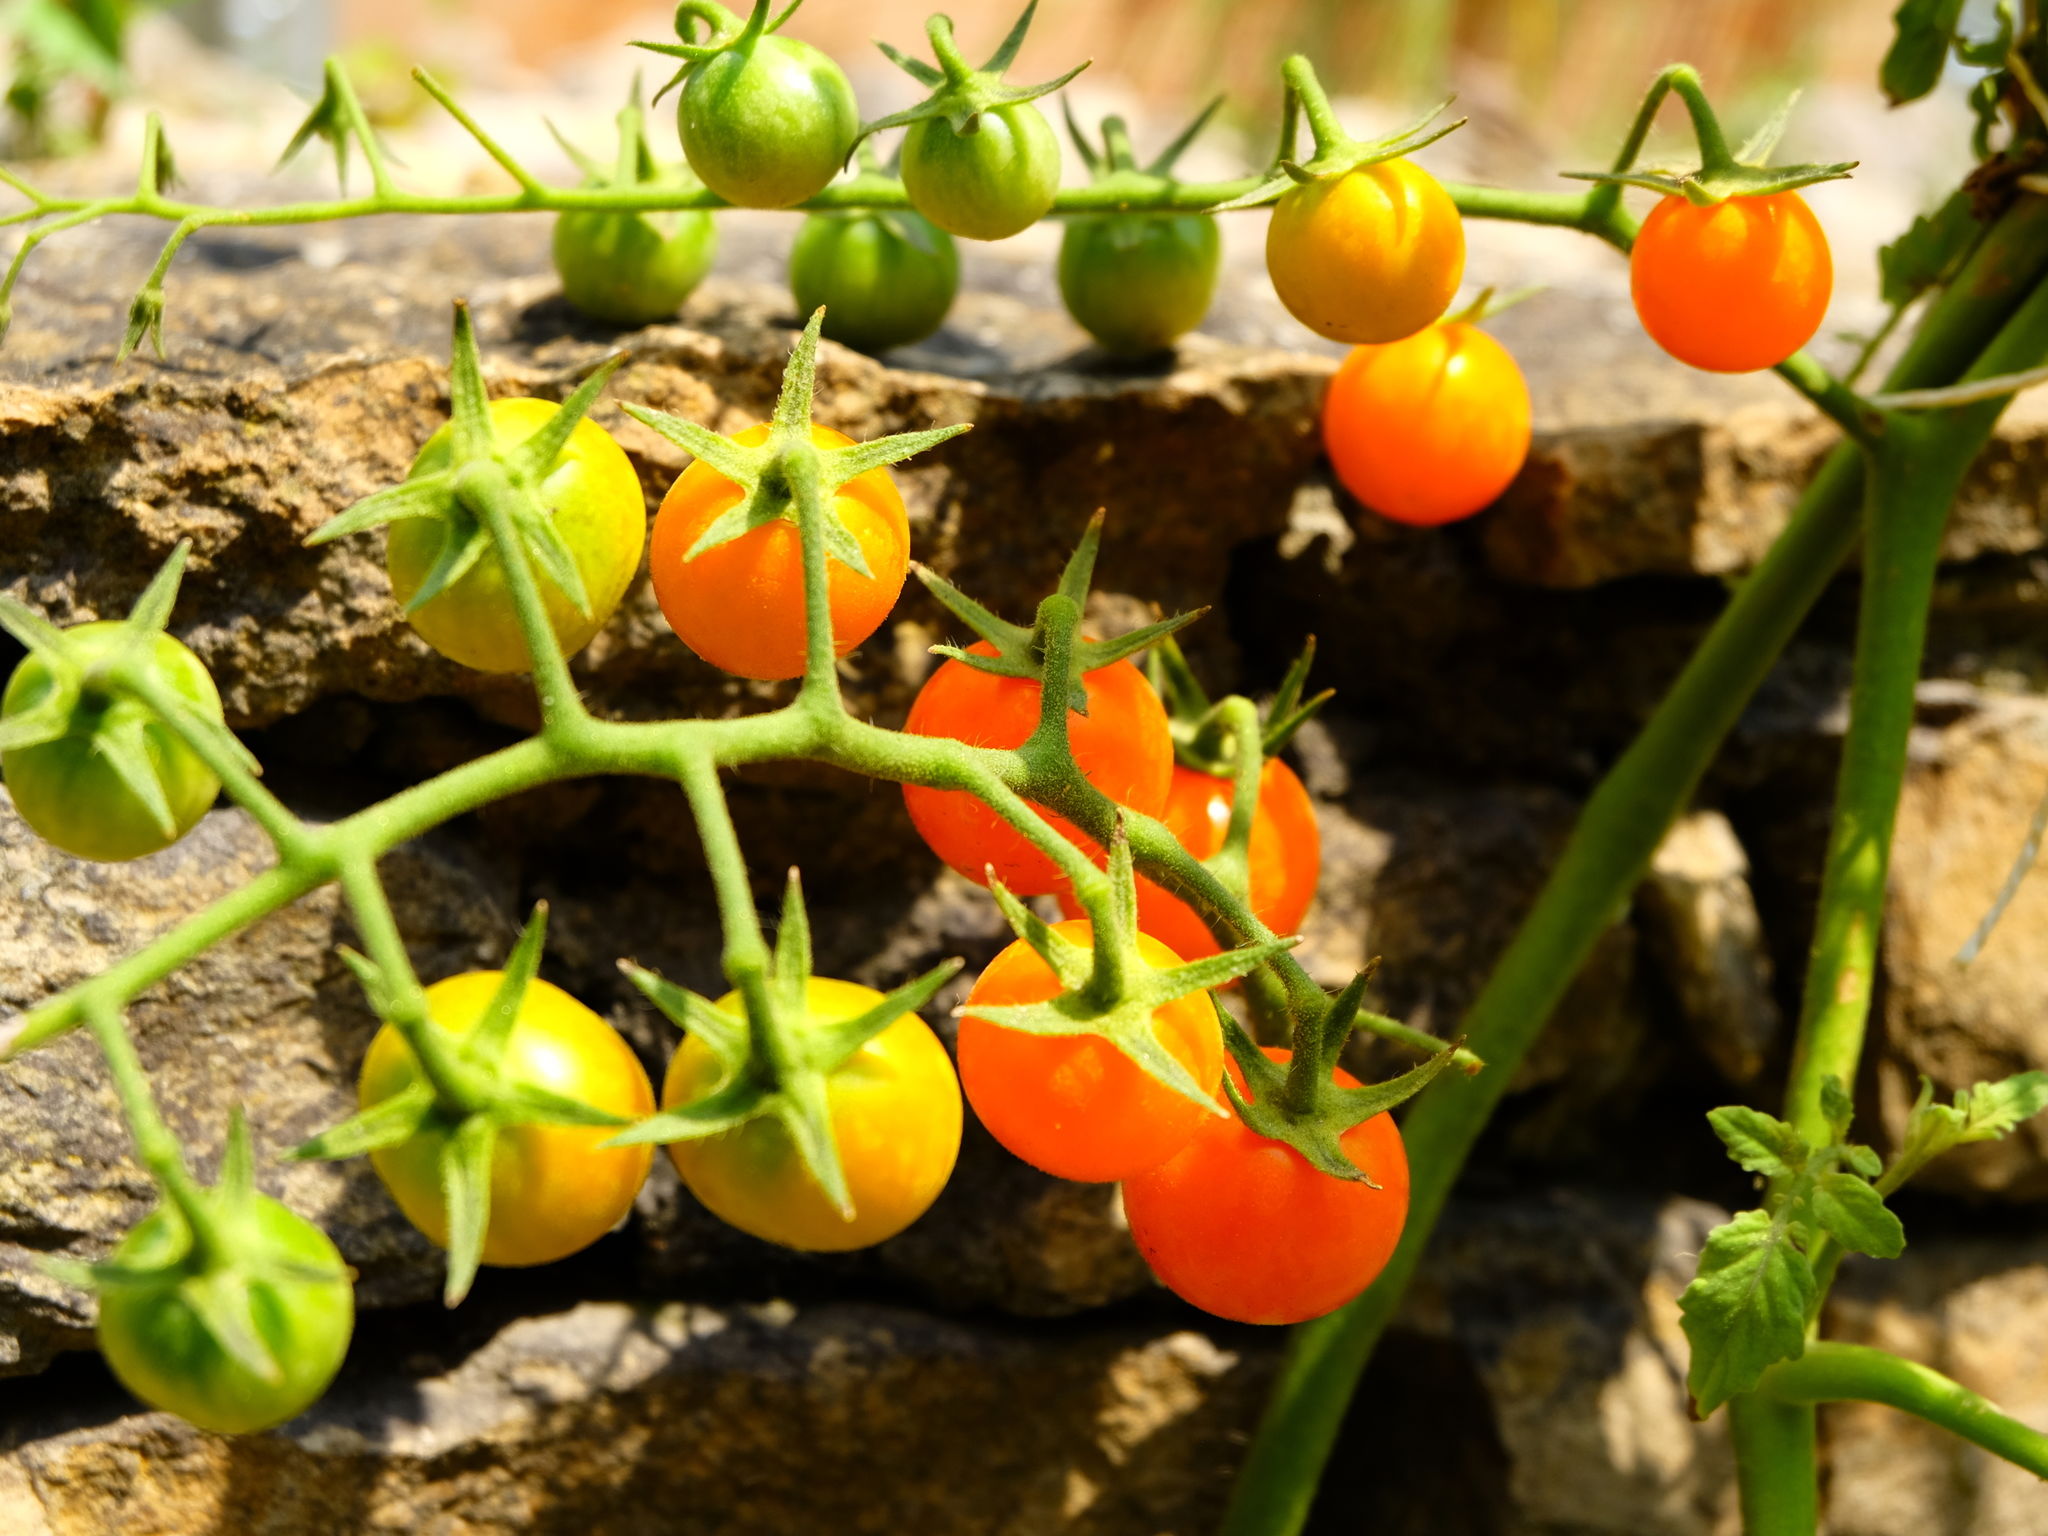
pixel 222 1302
pixel 35 633
pixel 329 119
pixel 486 1042
pixel 1338 158
pixel 833 1044
pixel 1744 173
pixel 1114 166
pixel 123 744
pixel 145 321
pixel 1201 737
pixel 723 1035
pixel 466 1198
pixel 960 92
pixel 382 1125
pixel 524 1104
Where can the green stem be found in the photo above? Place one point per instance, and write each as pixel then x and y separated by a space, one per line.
pixel 1832 1373
pixel 820 690
pixel 1323 122
pixel 529 184
pixel 487 491
pixel 1775 1469
pixel 1706 127
pixel 746 950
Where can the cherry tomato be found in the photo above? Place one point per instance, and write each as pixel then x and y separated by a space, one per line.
pixel 155 1343
pixel 69 793
pixel 1369 256
pixel 884 279
pixel 1136 282
pixel 1074 1105
pixel 1286 856
pixel 633 269
pixel 554 1190
pixel 985 185
pixel 1734 286
pixel 1122 746
pixel 741 605
pixel 598 508
pixel 895 1112
pixel 1429 429
pixel 767 125
pixel 1243 1227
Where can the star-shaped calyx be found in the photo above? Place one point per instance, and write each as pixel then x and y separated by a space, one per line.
pixel 774 1059
pixel 466 1094
pixel 779 477
pixel 1113 165
pixel 960 93
pixel 1109 988
pixel 479 468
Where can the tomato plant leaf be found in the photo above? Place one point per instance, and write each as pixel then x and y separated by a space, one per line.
pixel 466 1199
pixel 1922 30
pixel 1746 1307
pixel 384 1124
pixel 1984 1112
pixel 1758 1142
pixel 1836 1107
pixel 1929 250
pixel 1990 52
pixel 1862 1160
pixel 1855 1215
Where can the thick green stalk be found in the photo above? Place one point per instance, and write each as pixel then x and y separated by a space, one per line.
pixel 1775 1465
pixel 1588 890
pixel 1831 1373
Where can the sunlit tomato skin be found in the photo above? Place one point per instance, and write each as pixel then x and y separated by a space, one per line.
pixel 895 1112
pixel 769 125
pixel 70 794
pixel 598 509
pixel 554 1189
pixel 986 185
pixel 1244 1228
pixel 884 279
pixel 633 269
pixel 1431 428
pixel 1122 746
pixel 1734 286
pixel 740 606
pixel 1137 283
pixel 1285 853
pixel 1074 1105
pixel 1369 256
pixel 155 1343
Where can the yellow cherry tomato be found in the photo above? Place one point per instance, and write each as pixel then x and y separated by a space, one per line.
pixel 554 1189
pixel 1369 256
pixel 895 1112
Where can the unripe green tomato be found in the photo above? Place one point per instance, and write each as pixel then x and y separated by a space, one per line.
pixel 767 126
pixel 156 1344
pixel 633 269
pixel 885 279
pixel 988 184
pixel 1139 282
pixel 70 794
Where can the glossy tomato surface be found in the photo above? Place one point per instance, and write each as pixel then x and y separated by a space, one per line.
pixel 633 269
pixel 989 184
pixel 895 1113
pixel 1122 746
pixel 1734 286
pixel 1369 256
pixel 1137 283
pixel 883 279
pixel 769 125
pixel 1074 1105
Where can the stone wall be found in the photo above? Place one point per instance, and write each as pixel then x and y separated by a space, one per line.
pixel 1005 1366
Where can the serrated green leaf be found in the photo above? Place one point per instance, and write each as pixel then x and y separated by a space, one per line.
pixel 1855 1215
pixel 1758 1142
pixel 1994 1109
pixel 1928 250
pixel 1921 32
pixel 1746 1307
pixel 1863 1160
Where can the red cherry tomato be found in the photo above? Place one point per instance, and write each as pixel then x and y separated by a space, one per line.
pixel 1431 428
pixel 1734 286
pixel 1243 1227
pixel 1074 1105
pixel 1286 856
pixel 1122 746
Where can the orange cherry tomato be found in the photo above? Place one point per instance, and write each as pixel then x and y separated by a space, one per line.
pixel 1122 746
pixel 1430 429
pixel 1372 255
pixel 1734 286
pixel 1074 1105
pixel 741 606
pixel 1243 1227
pixel 1286 856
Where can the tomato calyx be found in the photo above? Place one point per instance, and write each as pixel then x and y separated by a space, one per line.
pixel 788 477
pixel 1115 163
pixel 960 92
pixel 1108 988
pixel 1300 1104
pixel 1722 173
pixel 219 1255
pixel 465 1094
pixel 1336 152
pixel 483 481
pixel 107 698
pixel 776 1062
pixel 634 163
pixel 724 32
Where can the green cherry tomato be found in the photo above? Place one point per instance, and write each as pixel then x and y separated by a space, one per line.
pixel 633 269
pixel 155 1343
pixel 767 125
pixel 68 791
pixel 988 184
pixel 885 279
pixel 599 510
pixel 1139 282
